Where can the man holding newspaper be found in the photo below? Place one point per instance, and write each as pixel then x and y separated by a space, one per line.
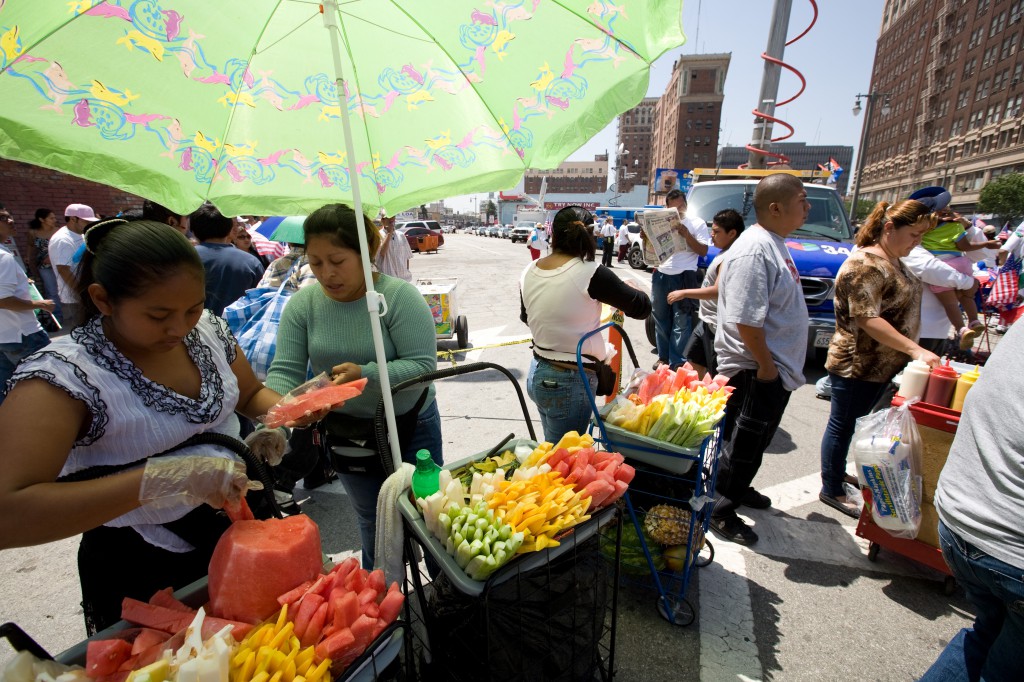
pixel 674 241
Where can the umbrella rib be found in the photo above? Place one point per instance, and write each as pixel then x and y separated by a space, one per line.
pixel 311 18
pixel 617 40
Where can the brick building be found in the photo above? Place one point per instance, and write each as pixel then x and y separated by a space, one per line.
pixel 952 72
pixel 688 116
pixel 24 188
pixel 802 156
pixel 571 177
pixel 636 135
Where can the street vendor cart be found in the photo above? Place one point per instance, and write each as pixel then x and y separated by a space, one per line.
pixel 440 295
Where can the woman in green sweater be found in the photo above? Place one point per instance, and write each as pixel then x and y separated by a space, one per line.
pixel 328 328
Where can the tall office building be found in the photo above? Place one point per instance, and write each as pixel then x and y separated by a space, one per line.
pixel 636 136
pixel 951 74
pixel 688 116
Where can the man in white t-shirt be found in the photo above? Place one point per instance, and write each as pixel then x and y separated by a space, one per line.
pixel 674 322
pixel 64 244
pixel 395 253
pixel 20 332
pixel 761 342
pixel 622 242
pixel 608 233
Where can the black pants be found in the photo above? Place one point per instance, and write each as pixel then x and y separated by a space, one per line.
pixel 752 417
pixel 114 563
pixel 607 250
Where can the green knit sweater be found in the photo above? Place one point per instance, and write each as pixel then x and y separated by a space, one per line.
pixel 323 332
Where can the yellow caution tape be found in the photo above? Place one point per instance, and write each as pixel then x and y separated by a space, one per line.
pixel 450 354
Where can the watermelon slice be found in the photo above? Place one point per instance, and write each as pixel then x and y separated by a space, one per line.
pixel 256 561
pixel 338 646
pixel 307 609
pixel 148 638
pixel 346 609
pixel 363 630
pixel 292 596
pixel 173 621
pixel 328 397
pixel 104 656
pixel 165 598
pixel 392 605
pixel 376 581
pixel 316 626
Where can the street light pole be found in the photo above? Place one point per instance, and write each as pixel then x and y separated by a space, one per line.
pixel 864 133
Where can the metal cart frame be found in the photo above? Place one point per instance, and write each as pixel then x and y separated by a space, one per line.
pixel 700 480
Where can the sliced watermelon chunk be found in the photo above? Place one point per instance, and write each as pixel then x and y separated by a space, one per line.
pixel 165 598
pixel 307 608
pixel 257 561
pixel 148 638
pixel 376 580
pixel 328 397
pixel 362 630
pixel 315 628
pixel 338 646
pixel 292 596
pixel 346 609
pixel 104 656
pixel 392 605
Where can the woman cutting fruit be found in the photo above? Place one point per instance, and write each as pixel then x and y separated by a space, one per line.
pixel 328 327
pixel 149 369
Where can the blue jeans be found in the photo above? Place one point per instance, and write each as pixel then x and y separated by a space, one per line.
pixel 851 400
pixel 560 398
pixel 363 490
pixel 13 353
pixel 49 290
pixel 991 649
pixel 673 323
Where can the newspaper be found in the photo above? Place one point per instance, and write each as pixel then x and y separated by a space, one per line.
pixel 660 226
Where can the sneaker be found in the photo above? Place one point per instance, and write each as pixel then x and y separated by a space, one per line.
pixel 1000 329
pixel 733 529
pixel 755 500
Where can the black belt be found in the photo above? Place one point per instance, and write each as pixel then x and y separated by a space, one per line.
pixel 568 366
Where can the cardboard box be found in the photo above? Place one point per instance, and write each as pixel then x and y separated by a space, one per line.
pixel 929 531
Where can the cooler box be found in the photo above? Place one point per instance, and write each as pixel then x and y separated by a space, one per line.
pixel 440 296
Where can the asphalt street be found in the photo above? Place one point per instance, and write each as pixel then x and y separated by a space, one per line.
pixel 803 604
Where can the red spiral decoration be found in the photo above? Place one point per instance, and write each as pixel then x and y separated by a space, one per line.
pixel 782 158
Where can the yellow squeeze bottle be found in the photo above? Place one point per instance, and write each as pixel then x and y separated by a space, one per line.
pixel 963 385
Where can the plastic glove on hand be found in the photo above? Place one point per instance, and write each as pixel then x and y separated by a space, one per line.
pixel 269 445
pixel 192 479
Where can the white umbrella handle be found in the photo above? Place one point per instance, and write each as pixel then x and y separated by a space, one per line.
pixel 375 303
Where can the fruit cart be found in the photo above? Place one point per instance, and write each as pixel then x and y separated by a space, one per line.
pixel 936 425
pixel 669 502
pixel 548 614
pixel 440 295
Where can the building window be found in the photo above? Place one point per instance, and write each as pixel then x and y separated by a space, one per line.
pixel 981 91
pixel 975 38
pixel 998 24
pixel 961 99
pixel 969 67
pixel 686 141
pixel 700 124
pixel 976 118
pixel 1017 71
pixel 989 58
pixel 1009 47
pixel 707 141
pixel 1016 10
pixel 708 125
pixel 983 6
pixel 992 115
pixel 1000 80
pixel 1013 106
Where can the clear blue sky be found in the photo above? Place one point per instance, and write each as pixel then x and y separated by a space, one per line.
pixel 835 57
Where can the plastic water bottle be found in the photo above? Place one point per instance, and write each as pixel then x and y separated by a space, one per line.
pixel 425 478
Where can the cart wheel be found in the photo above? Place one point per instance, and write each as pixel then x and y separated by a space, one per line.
pixel 706 554
pixel 676 611
pixel 462 331
pixel 949 585
pixel 873 551
pixel 649 328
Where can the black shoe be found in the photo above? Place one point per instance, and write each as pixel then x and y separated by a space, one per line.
pixel 733 529
pixel 755 500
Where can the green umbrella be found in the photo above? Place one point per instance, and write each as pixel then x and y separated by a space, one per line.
pixel 287 229
pixel 236 101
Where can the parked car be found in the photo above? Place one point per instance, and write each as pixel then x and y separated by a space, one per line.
pixel 505 231
pixel 522 231
pixel 492 231
pixel 415 229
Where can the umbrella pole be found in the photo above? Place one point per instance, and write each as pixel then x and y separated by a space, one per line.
pixel 375 303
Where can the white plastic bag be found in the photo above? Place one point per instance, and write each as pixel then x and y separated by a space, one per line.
pixel 887 452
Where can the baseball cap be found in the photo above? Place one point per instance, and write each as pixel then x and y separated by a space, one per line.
pixel 81 211
pixel 935 198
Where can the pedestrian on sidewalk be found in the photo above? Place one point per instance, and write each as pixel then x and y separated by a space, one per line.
pixel 674 322
pixel 229 271
pixel 622 241
pixel 761 344
pixel 395 253
pixel 980 502
pixel 538 241
pixel 64 245
pixel 40 229
pixel 20 331
pixel 608 234
pixel 878 317
pixel 560 299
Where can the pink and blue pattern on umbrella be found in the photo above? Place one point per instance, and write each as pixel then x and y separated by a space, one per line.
pixel 162 32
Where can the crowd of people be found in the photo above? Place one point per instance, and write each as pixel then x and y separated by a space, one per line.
pixel 149 363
